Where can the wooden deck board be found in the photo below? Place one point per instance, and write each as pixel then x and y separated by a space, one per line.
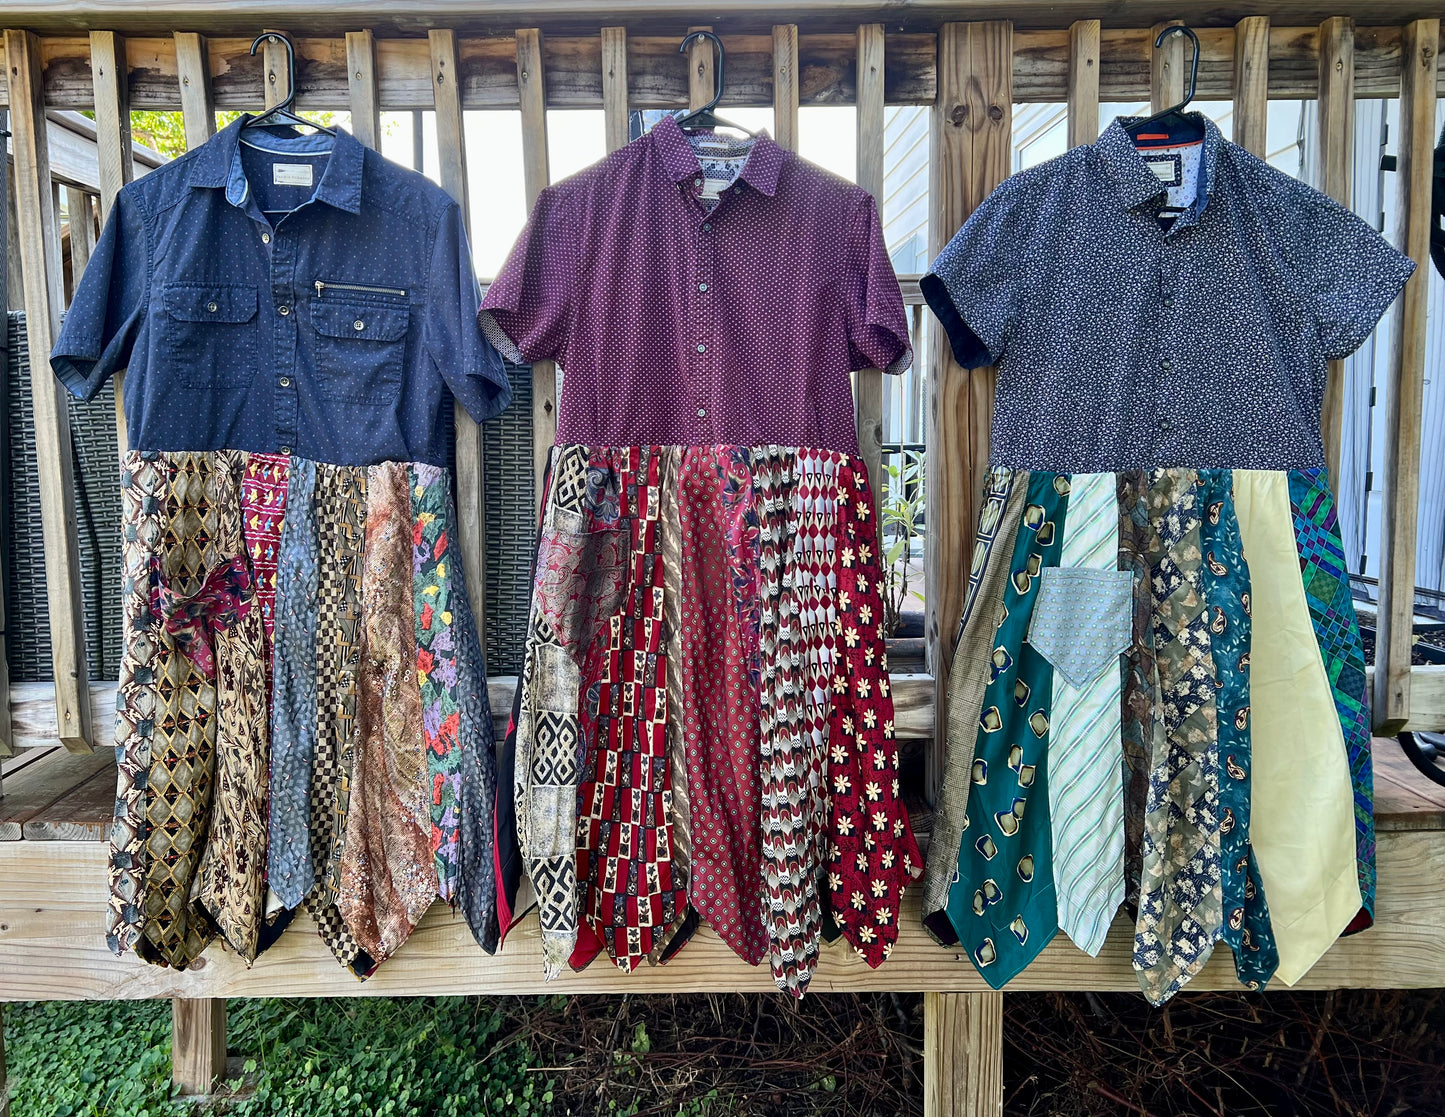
pixel 52 909
pixel 48 784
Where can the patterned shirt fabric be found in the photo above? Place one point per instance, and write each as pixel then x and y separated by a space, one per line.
pixel 280 293
pixel 679 321
pixel 1107 330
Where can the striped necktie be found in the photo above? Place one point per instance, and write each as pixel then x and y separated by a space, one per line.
pixel 1086 790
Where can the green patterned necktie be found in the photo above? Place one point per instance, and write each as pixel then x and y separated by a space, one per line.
pixel 1002 901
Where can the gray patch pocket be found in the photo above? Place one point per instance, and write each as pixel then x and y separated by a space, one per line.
pixel 1082 620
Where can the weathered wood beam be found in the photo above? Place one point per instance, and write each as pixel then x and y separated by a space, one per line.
pixel 785 85
pixel 614 86
pixel 1335 170
pixel 1403 415
pixel 109 81
pixel 452 152
pixel 658 77
pixel 868 382
pixel 1083 91
pixel 44 296
pixel 198 102
pixel 1251 83
pixel 536 174
pixel 55 896
pixel 963 1054
pixel 971 154
pixel 361 76
pixel 198 1044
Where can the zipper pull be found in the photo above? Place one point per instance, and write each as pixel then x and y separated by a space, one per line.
pixel 320 286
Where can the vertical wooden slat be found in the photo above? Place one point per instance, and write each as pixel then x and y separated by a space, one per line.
pixel 109 76
pixel 701 61
pixel 971 152
pixel 361 82
pixel 1251 83
pixel 868 383
pixel 785 85
pixel 536 173
pixel 1335 165
pixel 278 76
pixel 198 103
pixel 963 1054
pixel 1167 68
pixel 1419 46
pixel 82 233
pixel 1083 82
pixel 614 86
pixel 452 151
pixel 198 1044
pixel 40 259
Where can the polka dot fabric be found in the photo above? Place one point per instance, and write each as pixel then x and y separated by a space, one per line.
pixel 1123 345
pixel 681 325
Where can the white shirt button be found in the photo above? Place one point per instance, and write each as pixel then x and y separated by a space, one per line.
pixel 702 348
pixel 285 381
pixel 285 449
pixel 265 238
pixel 702 286
pixel 212 307
pixel 702 412
pixel 358 325
pixel 283 310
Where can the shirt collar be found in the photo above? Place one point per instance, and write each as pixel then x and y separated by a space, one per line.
pixel 1137 184
pixel 218 164
pixel 764 163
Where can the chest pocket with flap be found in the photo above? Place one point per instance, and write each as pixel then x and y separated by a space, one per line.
pixel 359 349
pixel 210 337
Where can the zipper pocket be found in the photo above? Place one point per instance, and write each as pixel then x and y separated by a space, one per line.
pixel 322 286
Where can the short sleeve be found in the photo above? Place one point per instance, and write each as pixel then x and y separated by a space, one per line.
pixel 1350 272
pixel 452 338
pixel 973 286
pixel 105 317
pixel 877 323
pixel 528 306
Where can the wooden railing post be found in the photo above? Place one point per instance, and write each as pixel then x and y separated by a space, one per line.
pixel 198 102
pixel 198 1044
pixel 1166 68
pixel 452 152
pixel 40 259
pixel 963 1054
pixel 1420 47
pixel 361 78
pixel 868 383
pixel 614 86
pixel 111 79
pixel 1083 82
pixel 1251 83
pixel 1335 168
pixel 971 154
pixel 785 85
pixel 536 173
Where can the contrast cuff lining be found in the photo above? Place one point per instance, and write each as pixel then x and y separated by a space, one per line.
pixel 968 348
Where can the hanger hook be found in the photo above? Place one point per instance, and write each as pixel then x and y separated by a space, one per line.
pixel 717 83
pixel 272 37
pixel 1180 29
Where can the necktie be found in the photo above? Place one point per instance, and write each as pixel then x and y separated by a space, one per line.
pixel 1180 913
pixel 1086 790
pixel 1002 903
pixel 1247 929
pixel 290 872
pixel 1332 615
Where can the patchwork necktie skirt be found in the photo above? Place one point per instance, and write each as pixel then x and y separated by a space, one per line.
pixel 1157 698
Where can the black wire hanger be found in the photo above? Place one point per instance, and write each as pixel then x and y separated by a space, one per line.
pixel 281 113
pixel 705 117
pixel 1174 116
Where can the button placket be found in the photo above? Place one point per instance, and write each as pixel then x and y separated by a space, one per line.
pixel 703 383
pixel 285 404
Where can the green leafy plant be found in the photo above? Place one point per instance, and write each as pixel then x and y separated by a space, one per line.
pixel 902 514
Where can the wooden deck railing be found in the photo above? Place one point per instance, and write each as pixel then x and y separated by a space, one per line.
pixel 475 56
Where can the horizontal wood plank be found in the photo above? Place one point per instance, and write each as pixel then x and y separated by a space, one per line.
pixel 52 948
pixel 335 17
pixel 657 74
pixel 51 780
